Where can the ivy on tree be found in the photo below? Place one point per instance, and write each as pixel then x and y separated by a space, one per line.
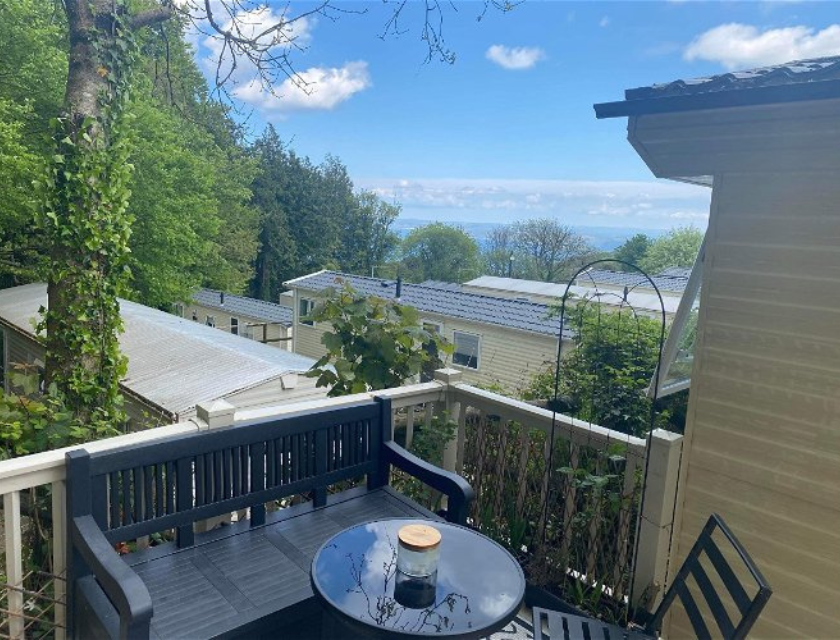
pixel 373 343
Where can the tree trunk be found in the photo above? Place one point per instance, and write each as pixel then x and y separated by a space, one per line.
pixel 86 223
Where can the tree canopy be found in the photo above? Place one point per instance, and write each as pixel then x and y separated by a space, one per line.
pixel 439 251
pixel 633 251
pixel 542 249
pixel 677 248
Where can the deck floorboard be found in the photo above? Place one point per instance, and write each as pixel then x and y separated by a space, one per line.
pixel 239 575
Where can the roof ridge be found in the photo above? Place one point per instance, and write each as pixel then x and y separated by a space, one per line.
pixel 235 295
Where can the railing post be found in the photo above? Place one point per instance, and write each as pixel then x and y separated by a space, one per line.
pixel 14 563
pixel 655 525
pixel 59 552
pixel 216 414
pixel 453 410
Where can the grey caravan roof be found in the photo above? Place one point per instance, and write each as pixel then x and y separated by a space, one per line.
pixel 446 301
pixel 251 307
pixel 173 362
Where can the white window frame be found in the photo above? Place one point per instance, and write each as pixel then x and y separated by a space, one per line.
pixel 310 306
pixel 210 321
pixel 672 342
pixel 438 325
pixel 234 325
pixel 477 336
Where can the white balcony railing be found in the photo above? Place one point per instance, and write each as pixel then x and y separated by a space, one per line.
pixel 483 450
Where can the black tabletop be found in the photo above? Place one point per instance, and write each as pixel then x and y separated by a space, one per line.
pixel 478 588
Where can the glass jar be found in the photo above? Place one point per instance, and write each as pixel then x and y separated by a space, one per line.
pixel 419 550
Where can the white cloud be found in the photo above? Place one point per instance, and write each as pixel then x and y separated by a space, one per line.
pixel 293 37
pixel 317 88
pixel 740 45
pixel 514 58
pixel 613 203
pixel 605 22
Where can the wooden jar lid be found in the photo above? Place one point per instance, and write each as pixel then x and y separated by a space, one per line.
pixel 419 537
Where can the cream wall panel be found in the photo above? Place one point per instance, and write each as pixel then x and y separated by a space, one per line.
pixel 763 431
pixel 273 331
pixel 308 340
pixel 507 357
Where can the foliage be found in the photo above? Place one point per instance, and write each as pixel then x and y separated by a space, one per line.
pixel 633 250
pixel 499 254
pixel 549 251
pixel 33 66
pixel 564 523
pixel 312 219
pixel 366 239
pixel 428 443
pixel 192 222
pixel 542 249
pixel 33 421
pixel 373 343
pixel 86 225
pixel 439 251
pixel 677 248
pixel 604 378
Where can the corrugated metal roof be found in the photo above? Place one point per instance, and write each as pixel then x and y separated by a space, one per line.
pixel 259 309
pixel 675 283
pixel 525 316
pixel 173 362
pixel 797 72
pixel 637 300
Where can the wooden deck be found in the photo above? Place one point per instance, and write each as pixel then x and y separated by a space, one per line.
pixel 235 577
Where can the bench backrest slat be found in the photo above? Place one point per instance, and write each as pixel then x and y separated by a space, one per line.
pixel 172 483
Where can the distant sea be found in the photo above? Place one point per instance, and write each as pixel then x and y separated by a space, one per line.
pixel 602 238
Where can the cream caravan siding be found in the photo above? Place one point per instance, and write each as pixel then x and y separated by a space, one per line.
pixel 21 350
pixel 273 332
pixel 507 357
pixel 763 433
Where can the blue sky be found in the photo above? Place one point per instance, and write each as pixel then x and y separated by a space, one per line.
pixel 508 131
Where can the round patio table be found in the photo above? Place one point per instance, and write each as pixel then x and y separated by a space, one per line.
pixel 478 589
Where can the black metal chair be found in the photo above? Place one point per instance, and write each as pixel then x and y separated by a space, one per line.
pixel 569 627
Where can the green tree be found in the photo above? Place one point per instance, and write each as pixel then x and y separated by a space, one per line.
pixel 85 222
pixel 367 240
pixel 498 251
pixel 677 248
pixel 33 65
pixel 373 343
pixel 633 250
pixel 547 250
pixel 439 251
pixel 541 248
pixel 190 207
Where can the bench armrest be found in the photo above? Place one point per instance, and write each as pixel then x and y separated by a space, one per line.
pixel 124 588
pixel 458 490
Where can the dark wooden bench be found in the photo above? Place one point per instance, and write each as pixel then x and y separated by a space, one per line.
pixel 251 576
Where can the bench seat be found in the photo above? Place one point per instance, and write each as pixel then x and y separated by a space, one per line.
pixel 234 578
pixel 245 579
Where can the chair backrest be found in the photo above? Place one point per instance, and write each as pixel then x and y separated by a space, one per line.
pixel 747 608
pixel 138 490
